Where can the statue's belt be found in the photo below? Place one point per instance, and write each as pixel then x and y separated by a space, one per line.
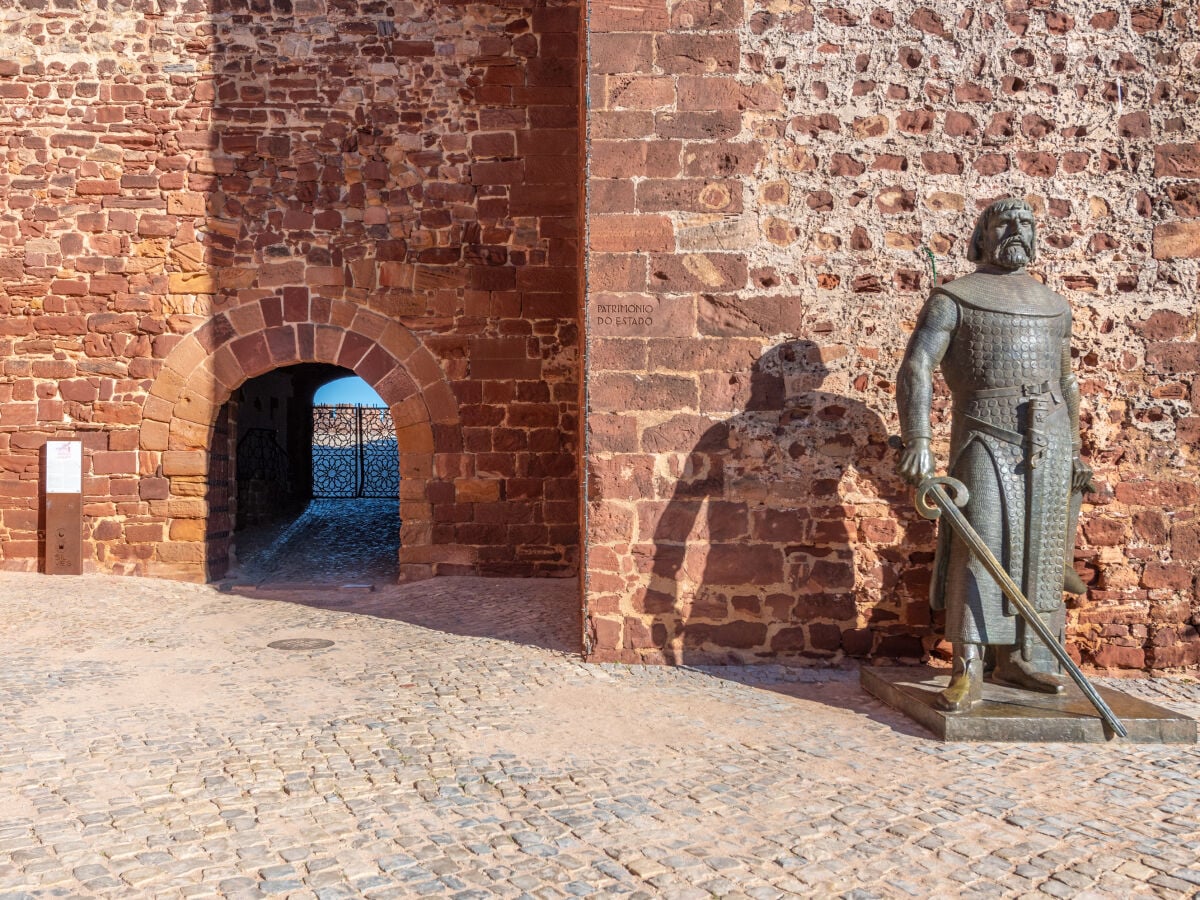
pixel 1016 390
pixel 1033 440
pixel 1000 434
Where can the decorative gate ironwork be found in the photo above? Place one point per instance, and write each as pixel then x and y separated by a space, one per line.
pixel 259 457
pixel 354 452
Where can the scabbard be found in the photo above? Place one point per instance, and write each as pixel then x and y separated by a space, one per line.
pixel 1035 447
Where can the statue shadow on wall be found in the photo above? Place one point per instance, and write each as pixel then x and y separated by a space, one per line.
pixel 760 552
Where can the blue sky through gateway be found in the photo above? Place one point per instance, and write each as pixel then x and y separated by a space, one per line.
pixel 347 390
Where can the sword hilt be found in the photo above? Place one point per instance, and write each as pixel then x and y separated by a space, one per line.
pixel 951 487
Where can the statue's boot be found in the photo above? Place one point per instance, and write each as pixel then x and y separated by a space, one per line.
pixel 1012 669
pixel 966 680
pixel 1072 583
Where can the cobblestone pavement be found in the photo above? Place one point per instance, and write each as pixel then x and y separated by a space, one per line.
pixel 447 745
pixel 330 542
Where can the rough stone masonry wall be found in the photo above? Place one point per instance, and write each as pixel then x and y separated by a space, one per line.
pixel 197 192
pixel 763 180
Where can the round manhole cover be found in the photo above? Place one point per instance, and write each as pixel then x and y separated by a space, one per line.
pixel 300 644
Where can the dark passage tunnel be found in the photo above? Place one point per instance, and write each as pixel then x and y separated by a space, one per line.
pixel 313 487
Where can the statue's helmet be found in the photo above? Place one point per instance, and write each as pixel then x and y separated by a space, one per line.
pixel 976 252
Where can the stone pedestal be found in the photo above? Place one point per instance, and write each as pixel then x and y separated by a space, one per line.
pixel 1009 714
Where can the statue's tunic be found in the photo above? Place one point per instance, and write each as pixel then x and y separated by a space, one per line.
pixel 1004 366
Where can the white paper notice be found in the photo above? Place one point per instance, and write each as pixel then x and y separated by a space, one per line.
pixel 64 467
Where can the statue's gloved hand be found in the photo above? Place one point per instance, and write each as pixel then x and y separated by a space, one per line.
pixel 1081 476
pixel 916 462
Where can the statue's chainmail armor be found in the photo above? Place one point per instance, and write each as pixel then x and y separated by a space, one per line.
pixel 1002 341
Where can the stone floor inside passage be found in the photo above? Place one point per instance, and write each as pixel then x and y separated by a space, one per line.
pixel 329 542
pixel 450 743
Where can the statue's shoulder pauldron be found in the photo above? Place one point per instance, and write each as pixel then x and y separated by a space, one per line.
pixel 1017 295
pixel 940 311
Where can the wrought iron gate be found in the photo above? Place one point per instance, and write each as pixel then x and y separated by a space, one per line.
pixel 354 452
pixel 260 458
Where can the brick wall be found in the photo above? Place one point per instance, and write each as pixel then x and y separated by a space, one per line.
pixel 198 193
pixel 763 180
pixel 195 194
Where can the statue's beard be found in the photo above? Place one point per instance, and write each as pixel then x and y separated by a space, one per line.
pixel 1013 253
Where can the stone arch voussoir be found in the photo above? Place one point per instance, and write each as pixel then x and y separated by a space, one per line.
pixel 203 370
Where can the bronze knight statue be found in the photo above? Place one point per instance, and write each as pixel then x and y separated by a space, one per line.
pixel 1002 340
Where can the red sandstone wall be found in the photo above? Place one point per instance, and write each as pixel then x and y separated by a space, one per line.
pixel 196 192
pixel 761 180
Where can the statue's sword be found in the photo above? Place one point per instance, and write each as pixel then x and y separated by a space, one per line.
pixel 935 488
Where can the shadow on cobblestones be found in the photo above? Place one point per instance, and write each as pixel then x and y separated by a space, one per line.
pixel 342 555
pixel 837 688
pixel 542 612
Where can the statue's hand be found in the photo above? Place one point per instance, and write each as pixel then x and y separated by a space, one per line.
pixel 1081 475
pixel 916 462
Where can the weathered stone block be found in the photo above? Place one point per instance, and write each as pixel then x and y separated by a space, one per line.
pixel 184 462
pixel 1177 160
pixel 1177 240
pixel 632 233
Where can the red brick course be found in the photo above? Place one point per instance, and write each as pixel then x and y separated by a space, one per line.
pixel 199 198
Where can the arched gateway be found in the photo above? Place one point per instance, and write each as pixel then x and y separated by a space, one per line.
pixel 180 416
